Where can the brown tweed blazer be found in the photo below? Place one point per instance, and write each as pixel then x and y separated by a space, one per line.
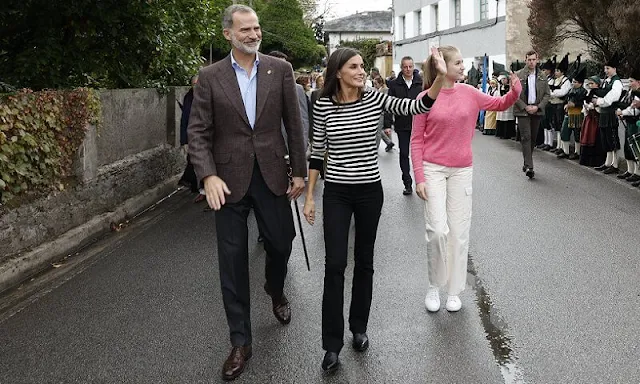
pixel 221 141
pixel 542 93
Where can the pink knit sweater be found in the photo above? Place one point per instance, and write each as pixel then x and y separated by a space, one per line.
pixel 443 136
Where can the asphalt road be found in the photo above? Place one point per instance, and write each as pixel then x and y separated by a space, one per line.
pixel 553 293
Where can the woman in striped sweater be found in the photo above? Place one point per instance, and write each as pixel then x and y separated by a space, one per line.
pixel 442 162
pixel 345 127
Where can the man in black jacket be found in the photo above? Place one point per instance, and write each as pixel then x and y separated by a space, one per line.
pixel 408 85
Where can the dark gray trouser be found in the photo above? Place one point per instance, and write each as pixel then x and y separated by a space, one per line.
pixel 404 140
pixel 381 135
pixel 275 223
pixel 528 127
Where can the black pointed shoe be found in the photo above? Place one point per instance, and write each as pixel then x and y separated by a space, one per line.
pixel 636 184
pixel 574 156
pixel 562 155
pixel 407 190
pixel 601 168
pixel 611 170
pixel 624 175
pixel 330 362
pixel 530 174
pixel 633 178
pixel 360 342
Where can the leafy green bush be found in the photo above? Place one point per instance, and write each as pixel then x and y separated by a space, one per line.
pixel 40 133
pixel 367 48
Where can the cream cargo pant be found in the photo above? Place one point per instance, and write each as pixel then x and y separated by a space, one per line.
pixel 447 214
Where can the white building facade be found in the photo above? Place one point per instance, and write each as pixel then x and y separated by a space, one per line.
pixel 476 27
pixel 359 26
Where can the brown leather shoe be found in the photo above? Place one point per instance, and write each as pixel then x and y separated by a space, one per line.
pixel 235 363
pixel 281 308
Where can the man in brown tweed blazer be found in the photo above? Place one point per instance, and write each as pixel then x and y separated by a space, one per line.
pixel 529 108
pixel 238 151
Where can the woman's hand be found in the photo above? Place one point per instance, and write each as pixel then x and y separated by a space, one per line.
pixel 421 190
pixel 513 78
pixel 309 210
pixel 438 60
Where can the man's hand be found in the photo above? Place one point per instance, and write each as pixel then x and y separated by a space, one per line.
pixel 296 189
pixel 215 189
pixel 309 210
pixel 421 190
pixel 531 109
pixel 618 112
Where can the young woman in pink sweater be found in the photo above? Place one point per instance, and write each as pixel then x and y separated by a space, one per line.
pixel 442 163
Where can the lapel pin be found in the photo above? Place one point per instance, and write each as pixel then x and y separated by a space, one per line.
pixel 268 72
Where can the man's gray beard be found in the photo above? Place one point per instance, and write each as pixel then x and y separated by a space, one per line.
pixel 244 48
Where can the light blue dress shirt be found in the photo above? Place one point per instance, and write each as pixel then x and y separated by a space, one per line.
pixel 248 84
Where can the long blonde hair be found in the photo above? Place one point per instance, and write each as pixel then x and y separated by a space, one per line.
pixel 430 72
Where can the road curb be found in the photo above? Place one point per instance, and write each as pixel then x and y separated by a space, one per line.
pixel 23 266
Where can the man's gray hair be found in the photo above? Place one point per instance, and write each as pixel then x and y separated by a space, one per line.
pixel 227 19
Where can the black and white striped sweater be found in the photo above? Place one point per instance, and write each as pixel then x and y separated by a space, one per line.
pixel 347 133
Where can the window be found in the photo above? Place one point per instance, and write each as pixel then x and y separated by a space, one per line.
pixel 457 12
pixel 484 9
pixel 419 23
pixel 403 27
pixel 436 17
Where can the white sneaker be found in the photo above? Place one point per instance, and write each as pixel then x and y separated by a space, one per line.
pixel 453 304
pixel 432 301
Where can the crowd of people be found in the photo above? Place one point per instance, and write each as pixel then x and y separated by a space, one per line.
pixel 574 108
pixel 255 132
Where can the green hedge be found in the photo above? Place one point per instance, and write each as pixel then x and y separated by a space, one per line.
pixel 40 133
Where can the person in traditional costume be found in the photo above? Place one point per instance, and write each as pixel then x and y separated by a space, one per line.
pixel 559 89
pixel 574 117
pixel 548 68
pixel 490 116
pixel 591 151
pixel 630 116
pixel 608 122
pixel 637 183
pixel 505 120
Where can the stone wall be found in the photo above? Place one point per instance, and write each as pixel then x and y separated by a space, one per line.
pixel 136 149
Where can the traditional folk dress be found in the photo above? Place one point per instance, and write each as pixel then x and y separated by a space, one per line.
pixel 573 118
pixel 505 120
pixel 545 122
pixel 559 89
pixel 630 117
pixel 591 152
pixel 608 123
pixel 490 116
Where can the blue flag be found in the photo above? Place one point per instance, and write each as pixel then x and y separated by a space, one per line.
pixel 485 75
